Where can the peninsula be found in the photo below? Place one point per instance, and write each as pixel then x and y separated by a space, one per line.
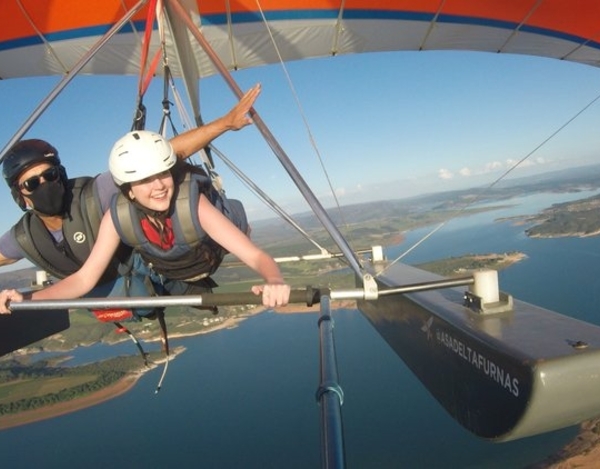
pixel 580 218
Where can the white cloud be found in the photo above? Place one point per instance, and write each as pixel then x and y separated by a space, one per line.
pixel 490 167
pixel 445 174
pixel 524 164
pixel 493 166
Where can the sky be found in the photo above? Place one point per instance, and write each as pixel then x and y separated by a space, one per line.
pixel 370 126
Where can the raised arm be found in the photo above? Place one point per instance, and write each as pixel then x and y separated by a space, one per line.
pixel 188 143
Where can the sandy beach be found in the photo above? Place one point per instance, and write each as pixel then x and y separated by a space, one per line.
pixel 62 408
pixel 582 452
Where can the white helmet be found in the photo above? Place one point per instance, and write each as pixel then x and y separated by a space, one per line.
pixel 138 155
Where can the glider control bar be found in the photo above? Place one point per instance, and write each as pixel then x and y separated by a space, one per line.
pixel 308 296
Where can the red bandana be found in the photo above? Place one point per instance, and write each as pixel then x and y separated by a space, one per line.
pixel 164 238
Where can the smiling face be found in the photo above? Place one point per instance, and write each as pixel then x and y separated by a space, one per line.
pixel 154 192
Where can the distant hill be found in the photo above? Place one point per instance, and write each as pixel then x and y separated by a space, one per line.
pixel 22 278
pixel 578 174
pixel 567 180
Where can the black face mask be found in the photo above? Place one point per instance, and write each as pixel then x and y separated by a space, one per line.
pixel 49 198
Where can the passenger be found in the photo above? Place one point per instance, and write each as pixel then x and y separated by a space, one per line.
pixel 152 182
pixel 63 215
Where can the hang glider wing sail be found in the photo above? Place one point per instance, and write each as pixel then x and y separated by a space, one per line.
pixel 48 38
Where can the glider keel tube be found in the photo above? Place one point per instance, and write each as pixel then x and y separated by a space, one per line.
pixel 503 376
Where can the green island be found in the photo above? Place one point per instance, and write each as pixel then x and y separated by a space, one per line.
pixel 456 266
pixel 580 218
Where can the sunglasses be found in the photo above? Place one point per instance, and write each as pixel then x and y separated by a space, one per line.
pixel 50 175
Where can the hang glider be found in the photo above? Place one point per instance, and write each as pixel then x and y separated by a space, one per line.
pixel 450 343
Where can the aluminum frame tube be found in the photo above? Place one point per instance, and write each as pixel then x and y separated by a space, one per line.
pixel 329 394
pixel 67 78
pixel 270 139
pixel 308 296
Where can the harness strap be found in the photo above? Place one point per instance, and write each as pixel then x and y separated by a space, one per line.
pixel 124 209
pixel 150 17
pixel 166 117
pixel 139 119
pixel 121 328
pixel 159 314
pixel 185 212
pixel 23 235
pixel 90 201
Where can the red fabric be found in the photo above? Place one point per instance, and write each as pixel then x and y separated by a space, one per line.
pixel 111 315
pixel 164 240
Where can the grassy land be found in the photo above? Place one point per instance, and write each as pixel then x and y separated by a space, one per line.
pixel 34 387
pixel 26 387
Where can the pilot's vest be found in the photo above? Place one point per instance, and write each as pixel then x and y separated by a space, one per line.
pixel 80 229
pixel 194 255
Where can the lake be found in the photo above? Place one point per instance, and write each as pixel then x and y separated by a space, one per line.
pixel 245 397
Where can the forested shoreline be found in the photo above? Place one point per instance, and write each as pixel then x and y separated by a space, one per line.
pixel 30 387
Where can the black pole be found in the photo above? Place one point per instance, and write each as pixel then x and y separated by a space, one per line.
pixel 329 395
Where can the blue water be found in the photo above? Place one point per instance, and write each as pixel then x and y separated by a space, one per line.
pixel 245 397
pixel 93 353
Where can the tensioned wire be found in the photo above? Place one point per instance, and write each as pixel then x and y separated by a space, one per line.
pixel 484 190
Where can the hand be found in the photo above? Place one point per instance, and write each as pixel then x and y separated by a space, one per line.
pixel 6 296
pixel 238 117
pixel 273 294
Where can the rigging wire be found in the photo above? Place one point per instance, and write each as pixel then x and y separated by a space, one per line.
pixel 515 32
pixel 432 25
pixel 66 79
pixel 302 115
pixel 146 72
pixel 132 24
pixel 185 118
pixel 252 186
pixel 169 83
pixel 485 189
pixel 49 48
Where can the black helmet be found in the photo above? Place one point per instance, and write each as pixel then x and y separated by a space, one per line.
pixel 25 154
pixel 22 156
